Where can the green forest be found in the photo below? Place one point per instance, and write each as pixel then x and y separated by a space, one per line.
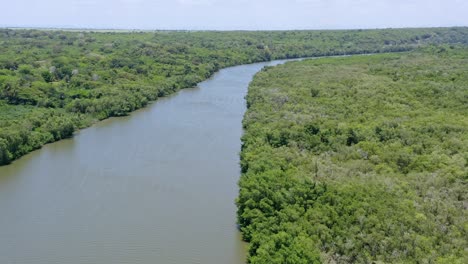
pixel 54 82
pixel 359 159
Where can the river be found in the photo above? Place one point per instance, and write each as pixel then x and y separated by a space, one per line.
pixel 157 186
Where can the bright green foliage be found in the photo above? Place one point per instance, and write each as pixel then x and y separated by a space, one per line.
pixel 84 76
pixel 358 159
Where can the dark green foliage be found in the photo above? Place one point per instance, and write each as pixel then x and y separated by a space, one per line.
pixel 371 167
pixel 26 128
pixel 95 75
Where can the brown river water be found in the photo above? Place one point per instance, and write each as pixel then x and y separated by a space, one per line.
pixel 157 186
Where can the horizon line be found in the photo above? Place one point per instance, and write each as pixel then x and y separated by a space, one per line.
pixel 73 28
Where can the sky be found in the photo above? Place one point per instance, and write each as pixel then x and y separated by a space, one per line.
pixel 232 14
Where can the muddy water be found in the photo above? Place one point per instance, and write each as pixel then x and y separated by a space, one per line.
pixel 155 187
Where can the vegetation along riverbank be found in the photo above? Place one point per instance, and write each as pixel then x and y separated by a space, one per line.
pixel 359 159
pixel 55 82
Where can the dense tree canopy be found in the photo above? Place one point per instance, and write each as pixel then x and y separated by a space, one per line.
pixel 53 82
pixel 358 159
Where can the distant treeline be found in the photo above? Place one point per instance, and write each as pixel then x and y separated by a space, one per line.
pixel 54 82
pixel 360 159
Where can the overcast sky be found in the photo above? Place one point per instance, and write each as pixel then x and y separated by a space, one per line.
pixel 233 14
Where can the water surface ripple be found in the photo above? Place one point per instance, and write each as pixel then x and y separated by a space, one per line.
pixel 157 186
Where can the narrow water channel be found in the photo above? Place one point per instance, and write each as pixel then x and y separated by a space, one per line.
pixel 154 187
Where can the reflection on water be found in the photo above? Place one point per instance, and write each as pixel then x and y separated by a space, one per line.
pixel 155 187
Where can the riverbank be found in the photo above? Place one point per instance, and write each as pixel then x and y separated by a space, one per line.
pixel 357 160
pixel 154 187
pixel 62 81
